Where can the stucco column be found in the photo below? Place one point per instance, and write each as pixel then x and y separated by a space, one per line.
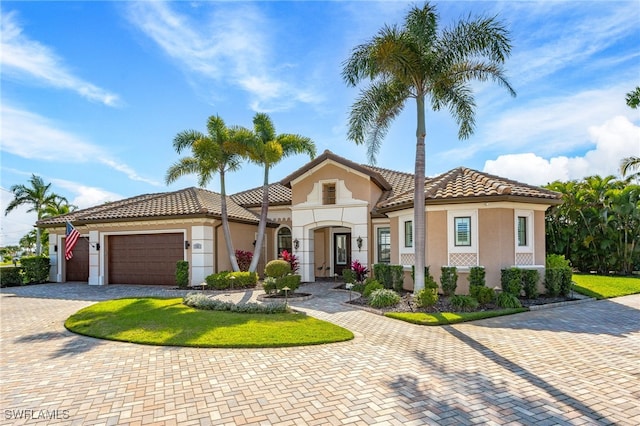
pixel 201 254
pixel 94 259
pixel 54 275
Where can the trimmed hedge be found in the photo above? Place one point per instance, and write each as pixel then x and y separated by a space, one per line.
pixel 277 268
pixel 511 281
pixel 477 276
pixel 348 276
pixel 449 280
pixel 11 276
pixel 557 281
pixel 530 278
pixel 35 269
pixel 182 273
pixel 226 280
pixel 390 276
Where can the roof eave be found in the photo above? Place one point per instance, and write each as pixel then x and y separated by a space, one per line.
pixel 466 200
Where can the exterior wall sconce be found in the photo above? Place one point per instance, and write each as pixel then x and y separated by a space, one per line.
pixel 296 244
pixel 97 246
pixel 186 245
pixel 55 248
pixel 359 243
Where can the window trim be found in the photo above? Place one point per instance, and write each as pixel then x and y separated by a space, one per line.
pixel 326 199
pixel 278 238
pixel 473 232
pixel 530 219
pixel 456 231
pixel 408 234
pixel 377 233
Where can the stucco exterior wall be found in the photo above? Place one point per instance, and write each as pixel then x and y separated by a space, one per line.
pixel 497 242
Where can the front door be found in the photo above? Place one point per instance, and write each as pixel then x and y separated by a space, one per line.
pixel 341 252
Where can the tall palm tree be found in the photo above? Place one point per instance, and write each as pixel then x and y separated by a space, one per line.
pixel 58 206
pixel 629 165
pixel 210 155
pixel 416 61
pixel 267 149
pixel 38 197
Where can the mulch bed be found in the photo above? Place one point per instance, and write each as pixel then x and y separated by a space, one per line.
pixel 407 304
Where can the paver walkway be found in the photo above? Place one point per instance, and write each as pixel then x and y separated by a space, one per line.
pixel 569 365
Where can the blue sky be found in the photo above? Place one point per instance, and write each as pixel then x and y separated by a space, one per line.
pixel 92 93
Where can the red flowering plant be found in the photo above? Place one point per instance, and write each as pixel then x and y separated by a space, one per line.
pixel 360 270
pixel 292 259
pixel 244 259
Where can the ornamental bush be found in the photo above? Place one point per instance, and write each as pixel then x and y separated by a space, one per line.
pixel 225 280
pixel 35 269
pixel 11 276
pixel 244 259
pixel 463 302
pixel 511 281
pixel 182 273
pixel 383 298
pixel 218 281
pixel 201 301
pixel 449 280
pixel 530 278
pixel 484 295
pixel 291 281
pixel 360 270
pixel 382 273
pixel 477 276
pixel 277 268
pixel 348 276
pixel 371 286
pixel 397 277
pixel 426 297
pixel 553 281
pixel 292 259
pixel 508 300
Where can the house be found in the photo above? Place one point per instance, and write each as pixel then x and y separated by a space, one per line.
pixel 329 212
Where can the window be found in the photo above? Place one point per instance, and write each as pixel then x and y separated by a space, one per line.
pixel 384 245
pixel 462 231
pixel 284 240
pixel 408 233
pixel 329 193
pixel 522 231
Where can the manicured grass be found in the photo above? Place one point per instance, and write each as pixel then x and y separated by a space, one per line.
pixel 167 322
pixel 444 318
pixel 604 287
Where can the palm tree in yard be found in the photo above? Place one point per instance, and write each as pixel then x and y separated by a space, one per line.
pixel 211 154
pixel 38 196
pixel 267 149
pixel 416 61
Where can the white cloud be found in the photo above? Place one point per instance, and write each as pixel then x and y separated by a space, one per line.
pixel 17 223
pixel 32 136
pixel 615 139
pixel 22 57
pixel 86 196
pixel 231 46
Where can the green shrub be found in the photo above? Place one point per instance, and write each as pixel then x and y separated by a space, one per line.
pixel 370 287
pixel 463 302
pixel 426 297
pixel 242 279
pixel 348 276
pixel 530 278
pixel 508 300
pixel 429 282
pixel 269 285
pixel 358 287
pixel 511 281
pixel 566 282
pixel 291 281
pixel 449 280
pixel 483 295
pixel 557 261
pixel 477 276
pixel 383 298
pixel 553 281
pixel 35 269
pixel 201 301
pixel 397 277
pixel 277 268
pixel 382 274
pixel 218 281
pixel 182 273
pixel 244 259
pixel 11 276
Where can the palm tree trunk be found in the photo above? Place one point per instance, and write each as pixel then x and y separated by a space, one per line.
pixel 38 242
pixel 419 217
pixel 225 225
pixel 257 250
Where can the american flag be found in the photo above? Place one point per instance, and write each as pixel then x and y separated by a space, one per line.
pixel 71 240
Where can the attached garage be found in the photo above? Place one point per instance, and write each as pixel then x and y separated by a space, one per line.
pixel 77 268
pixel 144 258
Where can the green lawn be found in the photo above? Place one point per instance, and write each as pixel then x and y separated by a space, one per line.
pixel 604 287
pixel 168 322
pixel 444 318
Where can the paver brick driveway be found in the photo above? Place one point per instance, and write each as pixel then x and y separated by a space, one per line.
pixel 575 364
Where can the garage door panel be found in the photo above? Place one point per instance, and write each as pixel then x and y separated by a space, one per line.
pixel 144 258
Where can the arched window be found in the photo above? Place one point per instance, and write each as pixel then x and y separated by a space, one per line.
pixel 284 240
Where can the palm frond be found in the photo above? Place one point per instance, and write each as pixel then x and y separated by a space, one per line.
pixel 186 139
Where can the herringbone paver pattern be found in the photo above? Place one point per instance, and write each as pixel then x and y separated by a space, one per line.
pixel 572 365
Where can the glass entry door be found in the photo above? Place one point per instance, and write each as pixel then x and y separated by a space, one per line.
pixel 341 252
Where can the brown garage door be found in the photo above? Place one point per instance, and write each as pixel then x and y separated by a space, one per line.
pixel 144 258
pixel 77 268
